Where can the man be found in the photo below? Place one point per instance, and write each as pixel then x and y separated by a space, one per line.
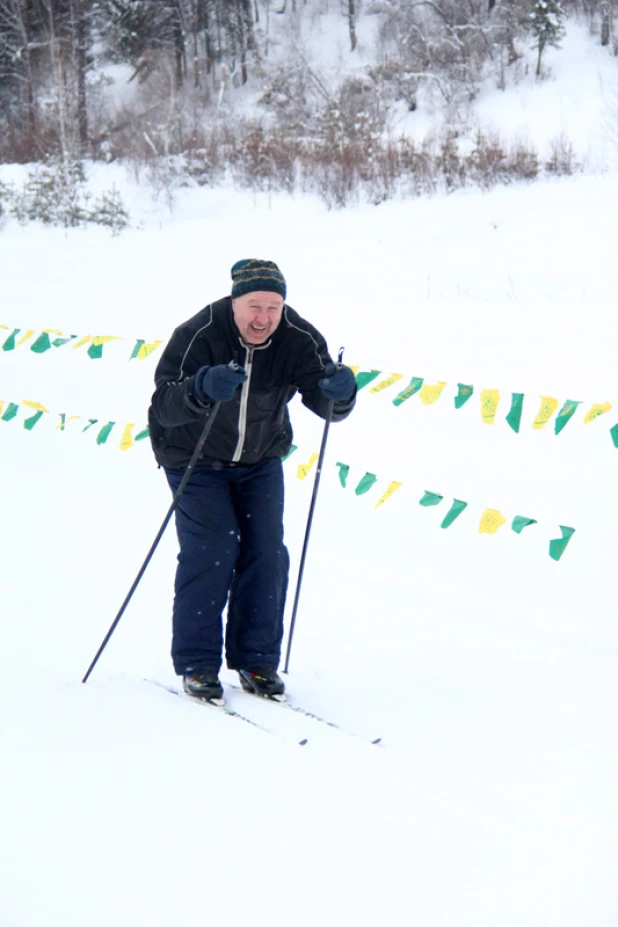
pixel 241 359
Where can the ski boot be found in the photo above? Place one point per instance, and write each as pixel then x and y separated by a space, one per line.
pixel 203 684
pixel 263 681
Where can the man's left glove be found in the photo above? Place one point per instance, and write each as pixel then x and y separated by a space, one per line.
pixel 338 383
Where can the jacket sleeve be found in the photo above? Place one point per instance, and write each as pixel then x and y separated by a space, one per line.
pixel 309 370
pixel 174 402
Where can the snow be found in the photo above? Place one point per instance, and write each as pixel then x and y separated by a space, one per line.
pixel 488 669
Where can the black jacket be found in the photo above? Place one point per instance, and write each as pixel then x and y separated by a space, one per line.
pixel 256 423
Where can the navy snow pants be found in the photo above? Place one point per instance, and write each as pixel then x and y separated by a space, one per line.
pixel 229 522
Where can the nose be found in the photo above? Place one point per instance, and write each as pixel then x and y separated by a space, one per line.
pixel 261 316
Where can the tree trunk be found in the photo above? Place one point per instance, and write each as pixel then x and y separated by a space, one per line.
pixel 81 56
pixel 352 23
pixel 605 24
pixel 538 63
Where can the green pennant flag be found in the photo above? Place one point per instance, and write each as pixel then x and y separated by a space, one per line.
pixel 31 422
pixel 517 407
pixel 104 433
pixel 430 498
pixel 454 512
pixel 146 434
pixel 565 415
pixel 365 483
pixel 95 351
pixel 91 422
pixel 520 522
pixel 463 394
pixel 558 546
pixel 614 433
pixel 58 342
pixel 42 344
pixel 413 387
pixel 135 353
pixel 343 473
pixel 293 447
pixel 363 377
pixel 9 344
pixel 11 411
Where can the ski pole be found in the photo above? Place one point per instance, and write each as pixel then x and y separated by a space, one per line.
pixel 177 495
pixel 316 483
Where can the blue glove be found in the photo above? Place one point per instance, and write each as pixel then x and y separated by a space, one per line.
pixel 338 383
pixel 218 384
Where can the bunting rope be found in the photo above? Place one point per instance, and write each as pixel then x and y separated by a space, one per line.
pixel 30 414
pixel 428 393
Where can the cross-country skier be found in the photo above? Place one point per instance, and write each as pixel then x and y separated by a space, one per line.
pixel 250 352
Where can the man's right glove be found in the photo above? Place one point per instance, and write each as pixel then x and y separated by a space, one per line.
pixel 218 384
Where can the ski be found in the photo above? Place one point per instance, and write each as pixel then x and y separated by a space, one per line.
pixel 285 702
pixel 218 704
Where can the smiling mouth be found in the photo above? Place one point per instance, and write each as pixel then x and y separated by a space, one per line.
pixel 256 328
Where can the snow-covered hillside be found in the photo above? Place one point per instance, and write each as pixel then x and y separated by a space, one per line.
pixel 487 668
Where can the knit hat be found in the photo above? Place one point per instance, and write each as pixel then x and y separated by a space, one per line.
pixel 251 275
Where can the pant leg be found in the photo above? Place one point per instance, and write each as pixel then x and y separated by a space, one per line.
pixel 208 536
pixel 257 597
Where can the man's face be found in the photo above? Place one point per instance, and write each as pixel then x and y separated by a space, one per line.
pixel 257 315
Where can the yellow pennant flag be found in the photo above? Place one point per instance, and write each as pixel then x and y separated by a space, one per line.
pixel 64 421
pixel 354 369
pixel 25 337
pixel 597 409
pixel 34 405
pixel 1 405
pixel 430 394
pixel 384 384
pixel 491 520
pixel 82 341
pixel 546 410
pixel 126 441
pixel 394 486
pixel 303 469
pixel 489 405
pixel 146 349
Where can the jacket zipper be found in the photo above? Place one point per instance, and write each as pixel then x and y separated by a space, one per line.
pixel 244 399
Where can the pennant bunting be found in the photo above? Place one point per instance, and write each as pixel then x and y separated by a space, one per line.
pixel 614 433
pixel 65 419
pixel 454 512
pixel 490 399
pixel 143 350
pixel 365 483
pixel 599 408
pixel 9 344
pixel 546 410
pixel 430 498
pixel 365 377
pixel 343 473
pixel 91 422
pixel 517 406
pixel 25 337
pixel 384 384
pixel 464 392
pixel 11 412
pixel 558 546
pixel 127 441
pixel 520 522
pixel 413 387
pixel 145 434
pixel 565 414
pixel 38 413
pixel 43 342
pixel 393 487
pixel 491 521
pixel 95 351
pixel 430 394
pixel 303 469
pixel 104 433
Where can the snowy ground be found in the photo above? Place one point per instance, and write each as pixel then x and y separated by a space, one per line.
pixel 487 668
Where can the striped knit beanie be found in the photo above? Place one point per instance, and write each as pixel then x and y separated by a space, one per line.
pixel 251 275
